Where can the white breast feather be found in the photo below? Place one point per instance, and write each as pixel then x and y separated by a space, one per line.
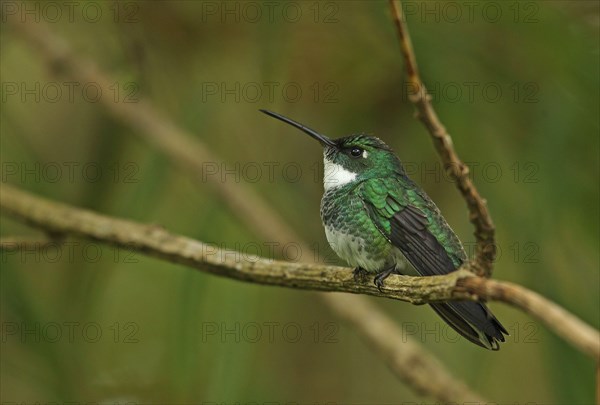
pixel 335 175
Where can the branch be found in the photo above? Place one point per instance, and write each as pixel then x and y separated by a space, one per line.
pixel 406 358
pixel 485 252
pixel 187 152
pixel 157 242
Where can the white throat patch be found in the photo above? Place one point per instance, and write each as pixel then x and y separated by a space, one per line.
pixel 335 175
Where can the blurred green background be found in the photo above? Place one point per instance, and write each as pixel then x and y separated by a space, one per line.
pixel 516 84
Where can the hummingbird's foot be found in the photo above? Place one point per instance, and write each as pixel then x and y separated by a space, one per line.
pixel 360 275
pixel 380 278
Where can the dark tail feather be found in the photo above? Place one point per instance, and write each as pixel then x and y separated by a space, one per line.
pixel 474 321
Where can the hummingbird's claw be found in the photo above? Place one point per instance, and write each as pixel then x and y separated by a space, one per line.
pixel 378 283
pixel 380 278
pixel 360 275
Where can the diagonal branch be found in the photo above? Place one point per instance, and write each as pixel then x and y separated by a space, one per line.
pixel 479 216
pixel 157 242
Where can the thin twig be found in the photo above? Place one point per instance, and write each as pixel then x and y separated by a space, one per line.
pixel 155 241
pixel 479 216
pixel 188 153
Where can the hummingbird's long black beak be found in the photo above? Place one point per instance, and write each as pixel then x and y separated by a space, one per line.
pixel 321 138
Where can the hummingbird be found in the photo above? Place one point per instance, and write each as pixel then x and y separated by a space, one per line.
pixel 375 216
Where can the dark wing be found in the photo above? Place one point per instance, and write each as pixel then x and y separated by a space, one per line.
pixel 410 234
pixel 413 224
pixel 401 214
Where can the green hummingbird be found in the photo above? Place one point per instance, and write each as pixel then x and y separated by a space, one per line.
pixel 374 216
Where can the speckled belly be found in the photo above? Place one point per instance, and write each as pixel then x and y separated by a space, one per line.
pixel 351 233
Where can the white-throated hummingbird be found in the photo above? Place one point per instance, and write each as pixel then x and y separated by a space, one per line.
pixel 374 215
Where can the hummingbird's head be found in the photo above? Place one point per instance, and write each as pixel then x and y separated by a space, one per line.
pixel 352 158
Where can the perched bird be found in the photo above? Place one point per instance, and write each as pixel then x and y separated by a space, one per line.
pixel 374 215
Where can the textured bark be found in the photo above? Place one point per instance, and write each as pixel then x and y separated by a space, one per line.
pixel 155 241
pixel 485 252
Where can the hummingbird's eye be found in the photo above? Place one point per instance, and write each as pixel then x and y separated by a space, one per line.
pixel 356 152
